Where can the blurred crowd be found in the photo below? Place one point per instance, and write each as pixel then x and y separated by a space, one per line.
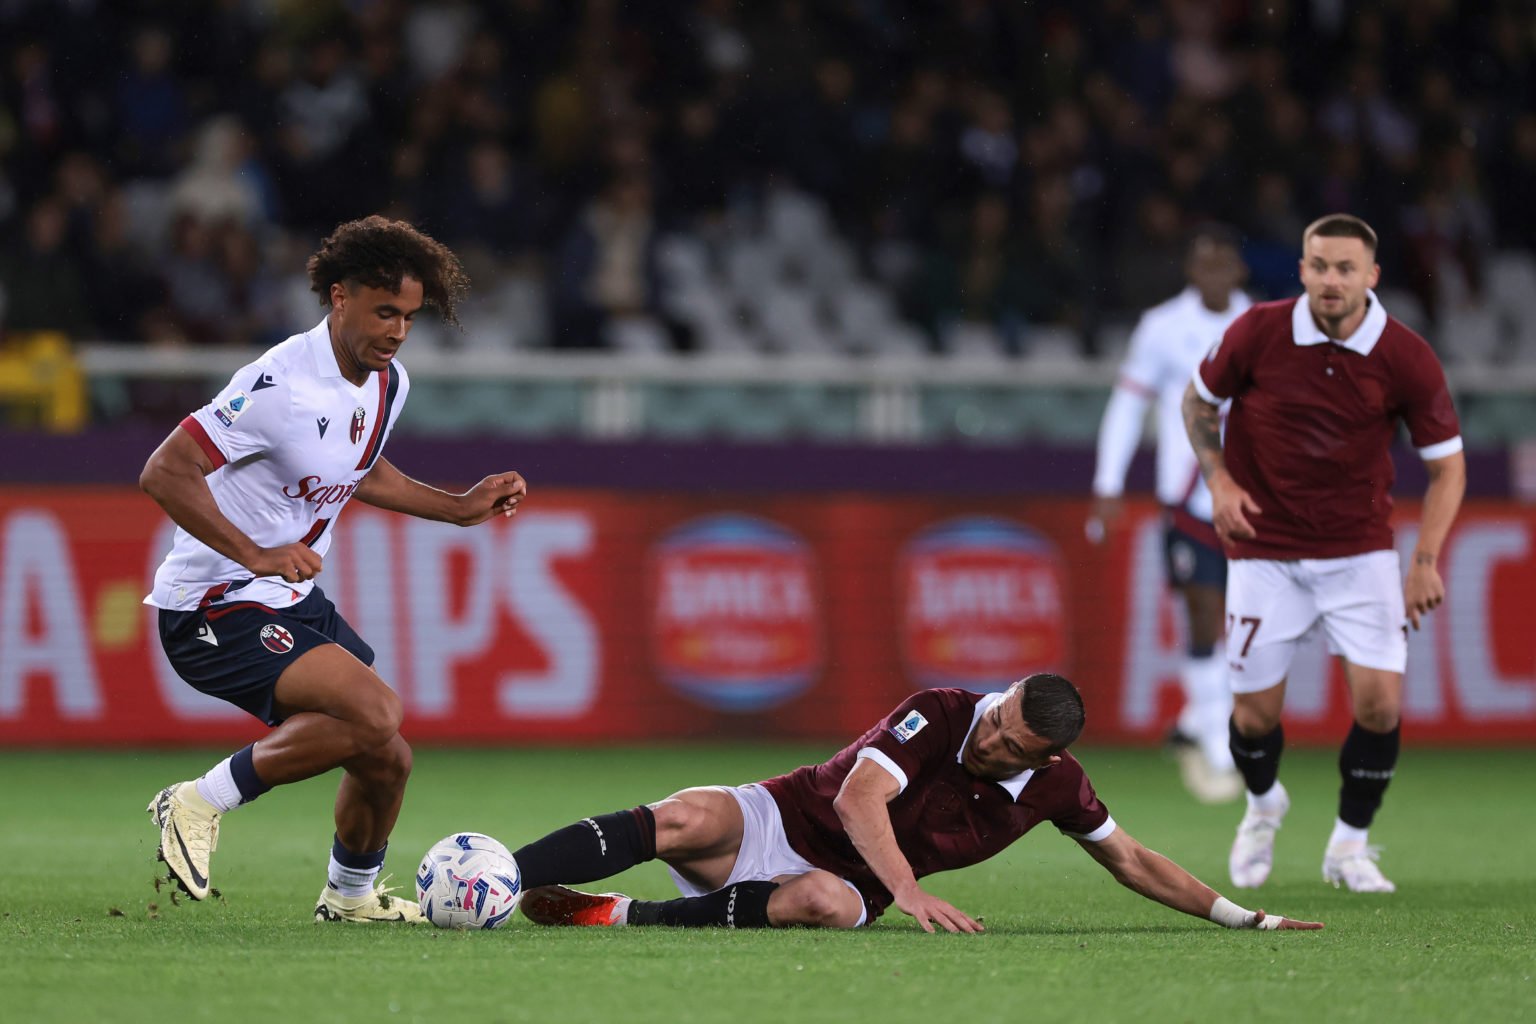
pixel 167 165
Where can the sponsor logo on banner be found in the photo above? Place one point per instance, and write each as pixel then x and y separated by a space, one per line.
pixel 983 602
pixel 736 616
pixel 276 639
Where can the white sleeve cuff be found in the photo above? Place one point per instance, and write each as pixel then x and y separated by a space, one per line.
pixel 1203 391
pixel 1441 450
pixel 884 761
pixel 1099 834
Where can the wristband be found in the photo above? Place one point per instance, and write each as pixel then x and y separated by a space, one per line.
pixel 1229 915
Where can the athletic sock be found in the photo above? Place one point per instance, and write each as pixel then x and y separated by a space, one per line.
pixel 232 781
pixel 1346 837
pixel 1207 706
pixel 743 905
pixel 1366 762
pixel 352 874
pixel 592 848
pixel 1257 757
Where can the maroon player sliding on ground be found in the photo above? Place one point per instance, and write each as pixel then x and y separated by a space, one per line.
pixel 948 779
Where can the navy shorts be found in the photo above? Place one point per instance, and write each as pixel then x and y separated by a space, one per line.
pixel 236 652
pixel 1192 561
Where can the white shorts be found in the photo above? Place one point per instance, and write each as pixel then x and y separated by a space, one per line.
pixel 765 852
pixel 1272 605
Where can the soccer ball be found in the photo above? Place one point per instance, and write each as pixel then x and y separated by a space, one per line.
pixel 468 880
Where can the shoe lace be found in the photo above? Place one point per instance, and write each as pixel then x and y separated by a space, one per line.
pixel 201 833
pixel 382 890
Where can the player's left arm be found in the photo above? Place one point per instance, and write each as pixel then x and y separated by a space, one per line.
pixel 1423 590
pixel 387 488
pixel 1158 878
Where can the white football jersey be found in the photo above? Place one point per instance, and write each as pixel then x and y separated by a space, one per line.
pixel 290 439
pixel 1169 341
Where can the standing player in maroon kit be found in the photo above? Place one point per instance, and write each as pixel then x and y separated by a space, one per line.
pixel 947 779
pixel 1301 495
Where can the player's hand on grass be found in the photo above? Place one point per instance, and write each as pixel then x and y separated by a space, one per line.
pixel 294 563
pixel 1423 590
pixel 495 495
pixel 1231 507
pixel 1274 922
pixel 929 910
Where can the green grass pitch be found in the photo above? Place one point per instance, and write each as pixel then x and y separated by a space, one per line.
pixel 85 936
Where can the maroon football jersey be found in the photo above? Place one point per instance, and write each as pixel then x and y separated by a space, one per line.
pixel 1312 421
pixel 945 817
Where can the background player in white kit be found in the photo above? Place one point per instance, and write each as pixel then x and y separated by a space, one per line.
pixel 255 480
pixel 1301 486
pixel 1169 341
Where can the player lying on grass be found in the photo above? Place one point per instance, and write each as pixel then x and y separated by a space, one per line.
pixel 948 779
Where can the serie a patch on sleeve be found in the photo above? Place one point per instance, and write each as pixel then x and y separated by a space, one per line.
pixel 909 726
pixel 232 408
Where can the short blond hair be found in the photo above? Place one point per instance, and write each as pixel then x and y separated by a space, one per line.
pixel 1341 225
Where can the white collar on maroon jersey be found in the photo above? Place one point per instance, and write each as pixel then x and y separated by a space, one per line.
pixel 1304 329
pixel 1015 785
pixel 319 340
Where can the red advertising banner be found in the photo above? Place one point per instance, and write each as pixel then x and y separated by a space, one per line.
pixel 609 616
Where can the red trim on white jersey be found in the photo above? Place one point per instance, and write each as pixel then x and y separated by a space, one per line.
pixel 191 426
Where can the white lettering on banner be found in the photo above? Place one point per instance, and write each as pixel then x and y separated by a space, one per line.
pixel 1150 664
pixel 438 639
pixel 751 594
pixel 948 595
pixel 553 617
pixel 1423 694
pixel 361 567
pixel 37 583
pixel 1473 553
pixel 181 700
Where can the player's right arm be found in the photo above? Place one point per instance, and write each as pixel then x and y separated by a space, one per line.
pixel 175 476
pixel 1217 378
pixel 861 805
pixel 1158 878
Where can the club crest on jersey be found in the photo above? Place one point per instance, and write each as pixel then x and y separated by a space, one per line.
pixel 231 410
pixel 909 726
pixel 276 639
pixel 358 416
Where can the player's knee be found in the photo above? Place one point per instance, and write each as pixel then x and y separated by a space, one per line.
pixel 1377 715
pixel 378 719
pixel 1253 719
pixel 676 819
pixel 816 900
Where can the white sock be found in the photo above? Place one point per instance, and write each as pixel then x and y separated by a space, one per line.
pixel 350 881
pixel 1207 708
pixel 1346 837
pixel 218 787
pixel 1272 803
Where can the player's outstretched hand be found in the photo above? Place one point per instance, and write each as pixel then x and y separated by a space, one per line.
pixel 294 563
pixel 1273 922
pixel 495 495
pixel 929 910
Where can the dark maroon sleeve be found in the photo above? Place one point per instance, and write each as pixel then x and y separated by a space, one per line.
pixel 1078 810
pixel 1225 370
pixel 1426 407
pixel 918 733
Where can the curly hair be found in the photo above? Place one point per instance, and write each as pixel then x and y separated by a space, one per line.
pixel 377 252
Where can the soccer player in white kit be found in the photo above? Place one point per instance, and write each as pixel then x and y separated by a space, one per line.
pixel 1301 491
pixel 255 481
pixel 1169 341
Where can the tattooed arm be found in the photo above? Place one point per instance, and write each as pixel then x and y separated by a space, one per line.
pixel 1231 504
